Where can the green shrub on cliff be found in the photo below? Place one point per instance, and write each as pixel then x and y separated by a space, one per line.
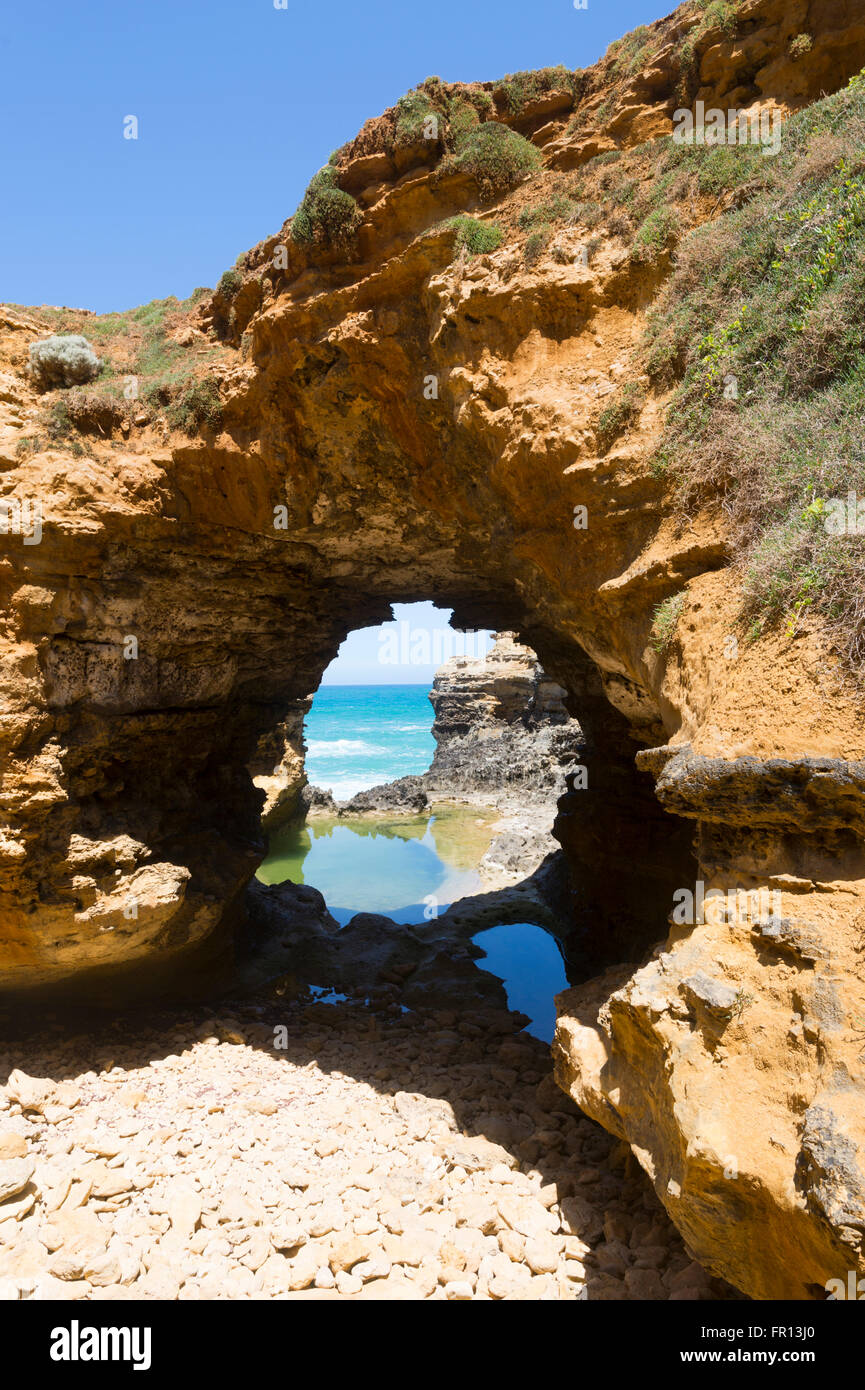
pixel 414 110
pixel 326 213
pixel 196 406
pixel 519 88
pixel 537 243
pixel 464 112
pixel 665 620
pixel 229 283
pixel 475 237
pixel 496 156
pixel 64 359
pixel 630 52
pixel 763 325
pixel 654 234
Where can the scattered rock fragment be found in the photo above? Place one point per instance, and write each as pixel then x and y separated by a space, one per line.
pixel 353 1163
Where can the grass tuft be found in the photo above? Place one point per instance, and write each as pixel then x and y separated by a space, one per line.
pixel 761 328
pixel 474 237
pixel 326 214
pixel 665 620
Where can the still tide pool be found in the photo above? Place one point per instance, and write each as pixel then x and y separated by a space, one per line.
pixel 409 868
pixel 528 961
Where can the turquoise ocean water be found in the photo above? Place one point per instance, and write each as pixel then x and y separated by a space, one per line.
pixel 360 735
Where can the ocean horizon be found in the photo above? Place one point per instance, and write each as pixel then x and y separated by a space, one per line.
pixel 358 736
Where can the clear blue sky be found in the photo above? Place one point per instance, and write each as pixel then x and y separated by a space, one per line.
pixel 407 651
pixel 238 104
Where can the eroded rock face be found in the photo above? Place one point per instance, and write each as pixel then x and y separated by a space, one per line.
pixel 278 768
pixel 185 596
pixel 501 726
pixel 731 1060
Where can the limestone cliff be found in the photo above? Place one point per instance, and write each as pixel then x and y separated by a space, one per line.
pixel 501 727
pixel 503 737
pixel 381 416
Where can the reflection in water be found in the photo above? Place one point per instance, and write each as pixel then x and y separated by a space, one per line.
pixel 528 961
pixel 391 866
pixel 399 867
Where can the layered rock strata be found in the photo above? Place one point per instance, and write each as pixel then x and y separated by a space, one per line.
pixel 501 727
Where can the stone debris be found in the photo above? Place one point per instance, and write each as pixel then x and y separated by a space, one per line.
pixel 189 1158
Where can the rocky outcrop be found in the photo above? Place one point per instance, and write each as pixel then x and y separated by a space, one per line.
pixel 278 768
pixel 186 592
pixel 731 1060
pixel 501 727
pixel 504 739
pixel 805 794
pixel 404 795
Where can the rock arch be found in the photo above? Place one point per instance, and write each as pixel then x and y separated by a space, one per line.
pixel 239 561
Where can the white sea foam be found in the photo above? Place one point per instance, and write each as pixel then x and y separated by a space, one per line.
pixel 343 789
pixel 340 747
